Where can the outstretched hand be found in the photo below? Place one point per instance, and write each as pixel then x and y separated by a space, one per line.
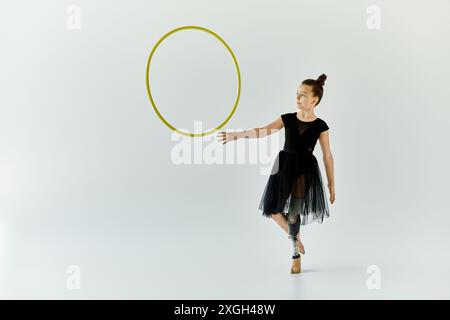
pixel 225 137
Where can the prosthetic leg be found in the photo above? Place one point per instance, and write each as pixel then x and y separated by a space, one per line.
pixel 293 218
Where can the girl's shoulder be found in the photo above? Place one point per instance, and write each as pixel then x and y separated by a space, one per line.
pixel 287 117
pixel 323 126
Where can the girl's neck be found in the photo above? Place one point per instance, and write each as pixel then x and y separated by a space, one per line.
pixel 307 116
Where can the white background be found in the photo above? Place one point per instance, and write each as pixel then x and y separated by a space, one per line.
pixel 87 176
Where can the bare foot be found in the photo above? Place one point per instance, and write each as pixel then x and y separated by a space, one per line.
pixel 300 246
pixel 296 265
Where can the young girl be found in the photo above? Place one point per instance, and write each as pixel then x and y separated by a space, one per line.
pixel 294 193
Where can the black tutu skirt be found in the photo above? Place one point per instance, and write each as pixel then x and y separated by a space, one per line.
pixel 295 186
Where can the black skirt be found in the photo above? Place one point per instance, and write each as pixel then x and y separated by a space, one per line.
pixel 295 185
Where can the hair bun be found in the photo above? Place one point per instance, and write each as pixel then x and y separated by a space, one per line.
pixel 321 79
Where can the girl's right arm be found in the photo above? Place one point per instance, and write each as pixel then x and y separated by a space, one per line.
pixel 269 129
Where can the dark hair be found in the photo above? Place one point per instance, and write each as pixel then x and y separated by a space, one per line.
pixel 317 86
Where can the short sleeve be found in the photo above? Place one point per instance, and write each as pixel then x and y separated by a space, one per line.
pixel 285 118
pixel 324 126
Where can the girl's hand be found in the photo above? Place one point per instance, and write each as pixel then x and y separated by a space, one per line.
pixel 332 194
pixel 226 136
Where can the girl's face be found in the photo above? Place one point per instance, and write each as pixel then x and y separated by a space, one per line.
pixel 305 99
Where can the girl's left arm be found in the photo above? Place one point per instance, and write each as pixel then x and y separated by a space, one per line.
pixel 324 140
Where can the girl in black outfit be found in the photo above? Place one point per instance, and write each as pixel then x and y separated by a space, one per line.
pixel 294 194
